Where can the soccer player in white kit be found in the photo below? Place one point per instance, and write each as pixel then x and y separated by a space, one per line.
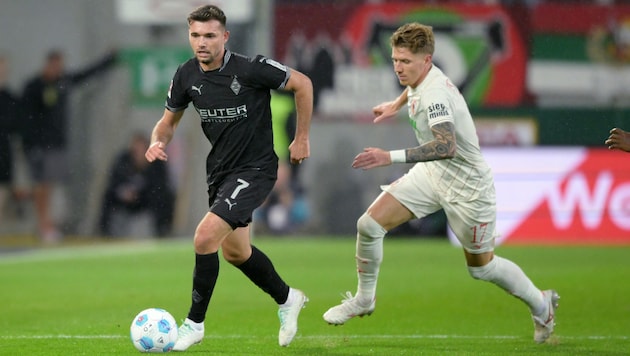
pixel 449 173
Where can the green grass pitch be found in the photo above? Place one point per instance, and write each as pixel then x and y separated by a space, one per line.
pixel 80 300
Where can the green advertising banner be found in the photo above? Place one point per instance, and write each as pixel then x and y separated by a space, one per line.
pixel 151 71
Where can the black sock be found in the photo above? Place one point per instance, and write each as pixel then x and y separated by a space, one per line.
pixel 204 279
pixel 259 269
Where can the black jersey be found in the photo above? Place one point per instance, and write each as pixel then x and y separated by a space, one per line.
pixel 233 103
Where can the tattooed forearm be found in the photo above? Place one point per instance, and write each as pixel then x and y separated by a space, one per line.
pixel 442 147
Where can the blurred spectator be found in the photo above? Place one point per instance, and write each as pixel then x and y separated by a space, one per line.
pixel 8 122
pixel 44 130
pixel 285 208
pixel 136 186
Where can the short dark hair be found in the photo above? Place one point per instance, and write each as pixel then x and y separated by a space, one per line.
pixel 206 13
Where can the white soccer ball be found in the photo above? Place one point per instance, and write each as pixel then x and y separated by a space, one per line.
pixel 153 330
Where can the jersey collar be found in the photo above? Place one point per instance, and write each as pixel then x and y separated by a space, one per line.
pixel 433 73
pixel 226 58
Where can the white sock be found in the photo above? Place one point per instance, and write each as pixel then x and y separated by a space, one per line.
pixel 290 298
pixel 511 278
pixel 369 257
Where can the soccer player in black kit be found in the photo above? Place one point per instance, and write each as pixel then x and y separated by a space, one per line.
pixel 231 93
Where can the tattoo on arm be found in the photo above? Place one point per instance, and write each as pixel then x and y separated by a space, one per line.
pixel 442 147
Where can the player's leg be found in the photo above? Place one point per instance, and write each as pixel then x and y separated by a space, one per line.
pixel 239 197
pixel 385 213
pixel 410 196
pixel 511 278
pixel 238 251
pixel 210 233
pixel 35 160
pixel 259 269
pixel 231 202
pixel 477 235
pixel 54 177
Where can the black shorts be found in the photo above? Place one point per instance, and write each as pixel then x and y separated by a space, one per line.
pixel 235 198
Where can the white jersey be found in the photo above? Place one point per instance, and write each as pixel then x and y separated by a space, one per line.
pixel 437 100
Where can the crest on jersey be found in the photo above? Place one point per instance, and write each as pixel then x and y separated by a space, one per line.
pixel 235 86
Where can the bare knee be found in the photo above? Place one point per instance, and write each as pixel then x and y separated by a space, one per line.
pixel 478 259
pixel 210 233
pixel 206 241
pixel 236 257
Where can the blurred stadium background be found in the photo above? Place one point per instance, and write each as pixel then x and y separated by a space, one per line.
pixel 545 80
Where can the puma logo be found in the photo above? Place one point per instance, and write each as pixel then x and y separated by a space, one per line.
pixel 197 89
pixel 229 203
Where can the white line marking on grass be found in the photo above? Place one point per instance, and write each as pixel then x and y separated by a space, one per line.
pixel 97 249
pixel 416 336
pixel 44 337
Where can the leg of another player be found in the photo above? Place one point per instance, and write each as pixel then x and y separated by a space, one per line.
pixel 507 275
pixel 384 214
pixel 42 193
pixel 237 250
pixel 210 233
pixel 511 278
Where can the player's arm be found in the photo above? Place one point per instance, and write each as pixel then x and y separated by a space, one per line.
pixel 389 109
pixel 442 147
pixel 302 87
pixel 162 134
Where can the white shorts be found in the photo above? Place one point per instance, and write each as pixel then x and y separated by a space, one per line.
pixel 473 221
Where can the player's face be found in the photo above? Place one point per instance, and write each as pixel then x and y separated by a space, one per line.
pixel 207 40
pixel 411 68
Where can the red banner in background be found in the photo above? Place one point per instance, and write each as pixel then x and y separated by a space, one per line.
pixel 561 195
pixel 582 19
pixel 479 46
pixel 589 204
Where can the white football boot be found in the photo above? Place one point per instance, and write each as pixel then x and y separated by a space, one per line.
pixel 188 335
pixel 288 315
pixel 544 324
pixel 348 309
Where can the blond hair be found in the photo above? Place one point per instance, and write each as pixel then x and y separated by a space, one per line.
pixel 418 38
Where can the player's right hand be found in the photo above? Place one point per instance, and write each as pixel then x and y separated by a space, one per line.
pixel 385 111
pixel 371 157
pixel 156 151
pixel 618 140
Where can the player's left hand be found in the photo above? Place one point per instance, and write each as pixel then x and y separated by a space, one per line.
pixel 299 150
pixel 385 111
pixel 372 157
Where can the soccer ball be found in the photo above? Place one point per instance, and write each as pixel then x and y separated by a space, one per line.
pixel 153 330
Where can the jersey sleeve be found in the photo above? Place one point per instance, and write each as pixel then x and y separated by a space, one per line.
pixel 177 99
pixel 271 74
pixel 438 107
